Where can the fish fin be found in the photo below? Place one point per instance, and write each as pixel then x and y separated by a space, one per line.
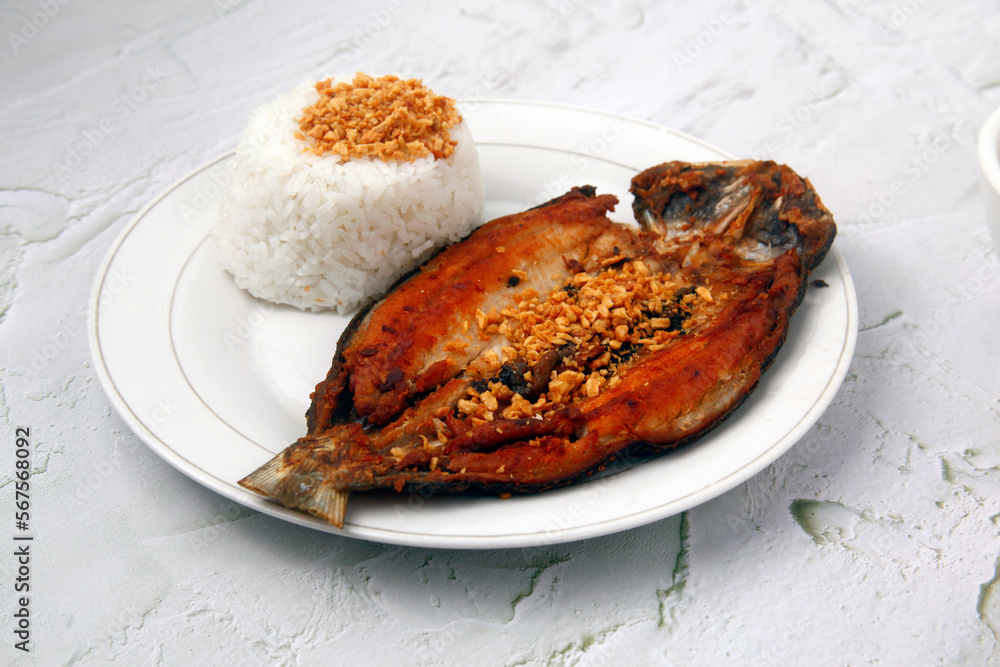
pixel 304 488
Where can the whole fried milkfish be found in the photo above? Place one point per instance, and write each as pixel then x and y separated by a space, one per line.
pixel 549 341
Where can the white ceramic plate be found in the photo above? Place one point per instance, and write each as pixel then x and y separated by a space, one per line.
pixel 216 382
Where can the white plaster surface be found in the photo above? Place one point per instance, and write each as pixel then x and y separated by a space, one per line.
pixel 874 541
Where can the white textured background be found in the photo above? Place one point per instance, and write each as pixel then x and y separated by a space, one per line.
pixel 874 541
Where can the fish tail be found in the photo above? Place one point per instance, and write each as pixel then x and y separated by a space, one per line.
pixel 299 484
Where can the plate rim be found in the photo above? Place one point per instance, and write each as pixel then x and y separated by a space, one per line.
pixel 465 541
pixel 599 112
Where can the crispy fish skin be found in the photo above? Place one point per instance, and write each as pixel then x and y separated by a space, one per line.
pixel 397 346
pixel 400 352
pixel 735 242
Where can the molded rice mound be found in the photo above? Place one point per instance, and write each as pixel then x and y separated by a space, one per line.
pixel 318 233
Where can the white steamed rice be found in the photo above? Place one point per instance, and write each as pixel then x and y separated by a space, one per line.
pixel 317 232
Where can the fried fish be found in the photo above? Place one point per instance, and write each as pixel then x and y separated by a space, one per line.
pixel 551 341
